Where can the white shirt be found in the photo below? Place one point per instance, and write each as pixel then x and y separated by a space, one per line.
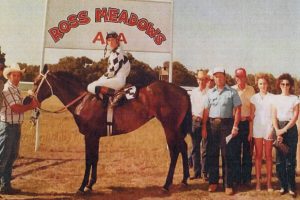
pixel 262 122
pixel 198 99
pixel 119 64
pixel 285 106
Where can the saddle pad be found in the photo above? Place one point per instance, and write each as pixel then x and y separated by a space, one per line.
pixel 130 92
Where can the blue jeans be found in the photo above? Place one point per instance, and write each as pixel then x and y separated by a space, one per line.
pixel 220 129
pixel 9 149
pixel 286 165
pixel 243 154
pixel 195 154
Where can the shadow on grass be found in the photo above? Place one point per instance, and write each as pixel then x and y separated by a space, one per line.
pixel 115 193
pixel 136 193
pixel 120 193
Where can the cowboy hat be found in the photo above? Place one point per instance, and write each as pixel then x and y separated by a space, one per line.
pixel 201 74
pixel 12 68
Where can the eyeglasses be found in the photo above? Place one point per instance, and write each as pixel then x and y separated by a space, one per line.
pixel 285 84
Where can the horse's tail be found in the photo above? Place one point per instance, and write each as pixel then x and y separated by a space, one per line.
pixel 186 125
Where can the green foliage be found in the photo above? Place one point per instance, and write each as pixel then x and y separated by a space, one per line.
pixel 88 71
pixel 141 73
pixel 31 71
pixel 182 76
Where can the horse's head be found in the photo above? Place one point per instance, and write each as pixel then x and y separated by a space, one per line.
pixel 42 85
pixel 64 85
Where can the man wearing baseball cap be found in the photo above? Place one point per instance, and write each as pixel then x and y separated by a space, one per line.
pixel 243 165
pixel 211 81
pixel 222 109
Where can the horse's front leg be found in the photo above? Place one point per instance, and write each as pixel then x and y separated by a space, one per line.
pixel 91 160
pixel 85 177
pixel 95 157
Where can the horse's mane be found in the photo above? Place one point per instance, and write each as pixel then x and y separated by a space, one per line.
pixel 69 77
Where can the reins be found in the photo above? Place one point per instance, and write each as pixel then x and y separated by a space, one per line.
pixel 63 109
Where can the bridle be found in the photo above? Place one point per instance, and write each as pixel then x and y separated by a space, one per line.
pixel 44 79
pixel 40 84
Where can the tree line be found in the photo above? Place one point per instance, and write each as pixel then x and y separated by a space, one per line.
pixel 141 73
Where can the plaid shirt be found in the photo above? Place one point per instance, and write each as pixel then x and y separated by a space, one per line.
pixel 11 95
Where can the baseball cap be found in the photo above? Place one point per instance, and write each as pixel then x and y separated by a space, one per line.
pixel 240 72
pixel 218 69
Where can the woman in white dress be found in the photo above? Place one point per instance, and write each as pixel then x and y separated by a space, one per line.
pixel 261 113
pixel 285 111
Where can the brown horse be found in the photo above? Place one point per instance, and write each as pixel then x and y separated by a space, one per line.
pixel 167 102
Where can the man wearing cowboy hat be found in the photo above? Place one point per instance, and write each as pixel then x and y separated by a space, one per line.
pixel 117 72
pixel 11 118
pixel 198 97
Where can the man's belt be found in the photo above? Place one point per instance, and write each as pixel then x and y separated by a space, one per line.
pixel 219 120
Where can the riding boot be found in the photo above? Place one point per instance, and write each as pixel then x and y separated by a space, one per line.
pixel 97 92
pixel 105 101
pixel 104 93
pixel 117 98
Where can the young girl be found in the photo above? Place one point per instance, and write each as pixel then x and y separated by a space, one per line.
pixel 261 113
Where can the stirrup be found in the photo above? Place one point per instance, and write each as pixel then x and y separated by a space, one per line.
pixel 116 99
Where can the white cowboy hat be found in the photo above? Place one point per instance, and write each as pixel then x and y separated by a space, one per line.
pixel 12 68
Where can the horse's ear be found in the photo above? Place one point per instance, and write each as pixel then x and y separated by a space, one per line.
pixel 45 69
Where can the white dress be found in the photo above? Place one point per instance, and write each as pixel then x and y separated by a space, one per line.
pixel 262 122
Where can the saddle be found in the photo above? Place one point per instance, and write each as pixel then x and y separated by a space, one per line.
pixel 112 98
pixel 126 93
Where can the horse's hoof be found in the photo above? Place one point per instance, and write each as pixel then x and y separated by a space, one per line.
pixel 88 190
pixel 165 189
pixel 79 193
pixel 184 183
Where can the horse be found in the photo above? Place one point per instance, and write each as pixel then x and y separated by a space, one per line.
pixel 169 103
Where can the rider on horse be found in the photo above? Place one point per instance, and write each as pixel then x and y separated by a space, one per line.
pixel 117 72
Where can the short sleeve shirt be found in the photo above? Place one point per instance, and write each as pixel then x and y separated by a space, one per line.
pixel 285 106
pixel 221 104
pixel 245 96
pixel 11 96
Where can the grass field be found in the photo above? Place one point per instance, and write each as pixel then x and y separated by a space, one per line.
pixel 131 166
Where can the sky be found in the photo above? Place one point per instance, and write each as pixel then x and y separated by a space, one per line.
pixel 261 35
